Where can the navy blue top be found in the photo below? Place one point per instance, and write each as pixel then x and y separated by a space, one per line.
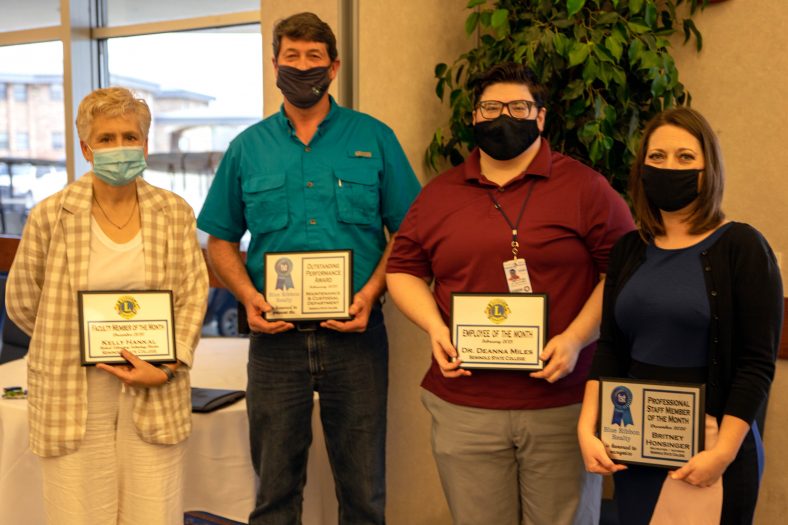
pixel 663 309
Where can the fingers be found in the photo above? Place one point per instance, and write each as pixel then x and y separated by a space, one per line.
pixel 446 356
pixel 274 327
pixel 681 473
pixel 358 324
pixel 552 372
pixel 255 309
pixel 133 360
pixel 595 456
pixel 560 359
pixel 604 469
pixel 117 371
pixel 548 350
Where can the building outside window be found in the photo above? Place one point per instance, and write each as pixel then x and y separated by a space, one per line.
pixel 22 141
pixel 20 93
pixel 58 140
pixel 3 140
pixel 56 92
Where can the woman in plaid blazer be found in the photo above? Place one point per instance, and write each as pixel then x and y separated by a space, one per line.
pixel 110 438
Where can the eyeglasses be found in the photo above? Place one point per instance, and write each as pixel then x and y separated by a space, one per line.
pixel 517 108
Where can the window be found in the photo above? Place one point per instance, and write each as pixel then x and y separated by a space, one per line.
pixel 56 92
pixel 22 141
pixel 196 111
pixel 20 92
pixel 3 140
pixel 122 12
pixel 199 66
pixel 58 140
pixel 27 15
pixel 35 168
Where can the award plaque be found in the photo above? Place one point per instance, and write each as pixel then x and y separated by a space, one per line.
pixel 309 286
pixel 659 424
pixel 505 331
pixel 140 321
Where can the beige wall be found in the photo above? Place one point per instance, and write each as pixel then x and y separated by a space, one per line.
pixel 399 45
pixel 738 81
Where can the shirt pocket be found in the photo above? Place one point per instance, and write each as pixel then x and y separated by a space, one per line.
pixel 265 197
pixel 358 193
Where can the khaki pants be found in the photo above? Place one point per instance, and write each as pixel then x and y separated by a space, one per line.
pixel 507 467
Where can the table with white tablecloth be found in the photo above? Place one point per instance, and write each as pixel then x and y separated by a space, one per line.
pixel 218 474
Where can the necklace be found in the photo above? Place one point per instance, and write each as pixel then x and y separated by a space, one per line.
pixel 104 213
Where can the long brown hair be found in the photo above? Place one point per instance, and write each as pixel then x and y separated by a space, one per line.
pixel 707 212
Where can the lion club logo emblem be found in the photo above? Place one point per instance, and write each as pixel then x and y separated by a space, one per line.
pixel 497 311
pixel 127 307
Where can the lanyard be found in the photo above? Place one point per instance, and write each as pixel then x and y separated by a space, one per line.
pixel 513 226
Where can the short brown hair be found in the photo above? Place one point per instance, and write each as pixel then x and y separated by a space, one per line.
pixel 707 212
pixel 509 73
pixel 111 102
pixel 305 27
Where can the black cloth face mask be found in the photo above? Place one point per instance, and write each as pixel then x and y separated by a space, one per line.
pixel 303 88
pixel 504 138
pixel 670 190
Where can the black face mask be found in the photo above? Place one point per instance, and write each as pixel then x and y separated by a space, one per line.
pixel 504 138
pixel 670 190
pixel 303 88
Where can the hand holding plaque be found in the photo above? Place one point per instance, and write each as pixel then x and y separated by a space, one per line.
pixel 309 286
pixel 505 331
pixel 651 423
pixel 139 321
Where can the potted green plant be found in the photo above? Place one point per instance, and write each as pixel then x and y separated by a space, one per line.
pixel 606 64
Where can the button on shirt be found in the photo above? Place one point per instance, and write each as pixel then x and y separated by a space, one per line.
pixel 337 192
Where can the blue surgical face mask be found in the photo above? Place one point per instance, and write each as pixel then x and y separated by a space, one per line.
pixel 118 166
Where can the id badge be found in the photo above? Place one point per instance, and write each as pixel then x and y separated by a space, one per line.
pixel 517 276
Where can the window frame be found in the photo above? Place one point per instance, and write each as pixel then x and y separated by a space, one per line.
pixel 85 53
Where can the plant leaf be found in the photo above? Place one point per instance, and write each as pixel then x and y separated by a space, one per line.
pixel 561 43
pixel 614 45
pixel 638 28
pixel 635 6
pixel 651 14
pixel 474 3
pixel 574 6
pixel 471 22
pixel 499 18
pixel 578 54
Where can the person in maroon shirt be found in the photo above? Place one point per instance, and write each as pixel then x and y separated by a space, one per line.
pixel 504 441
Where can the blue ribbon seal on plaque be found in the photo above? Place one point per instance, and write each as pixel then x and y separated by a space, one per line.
pixel 622 399
pixel 284 280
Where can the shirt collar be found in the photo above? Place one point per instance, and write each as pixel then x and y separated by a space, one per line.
pixel 333 109
pixel 541 166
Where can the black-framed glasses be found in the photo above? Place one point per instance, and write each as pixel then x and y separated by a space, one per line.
pixel 517 108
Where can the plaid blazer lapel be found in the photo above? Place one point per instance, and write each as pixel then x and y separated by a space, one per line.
pixel 154 234
pixel 75 221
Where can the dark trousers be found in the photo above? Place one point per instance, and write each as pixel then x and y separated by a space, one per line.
pixel 350 373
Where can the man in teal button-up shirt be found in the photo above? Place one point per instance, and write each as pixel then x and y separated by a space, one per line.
pixel 315 176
